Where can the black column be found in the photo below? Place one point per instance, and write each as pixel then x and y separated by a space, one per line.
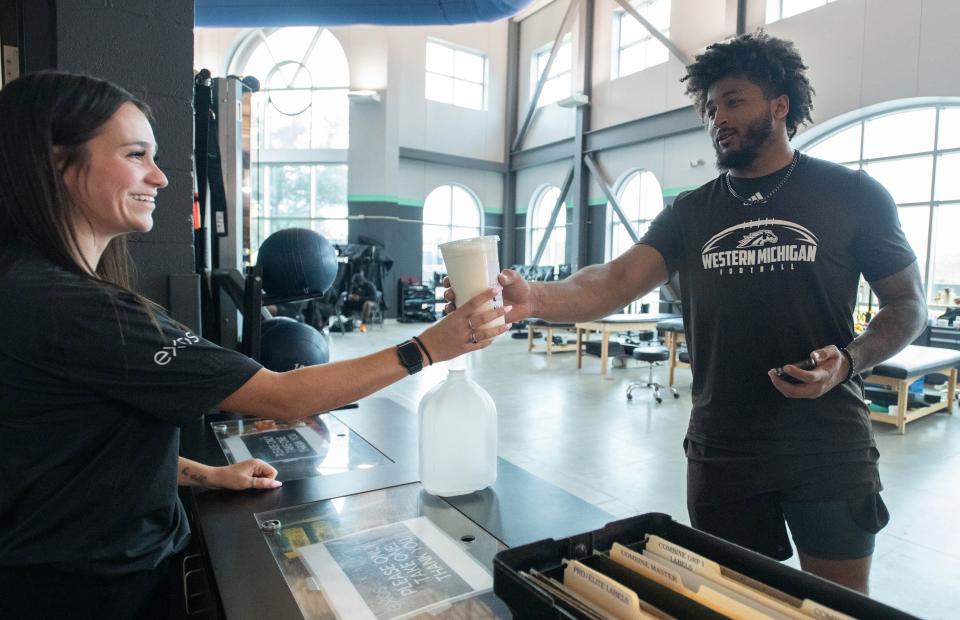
pixel 580 189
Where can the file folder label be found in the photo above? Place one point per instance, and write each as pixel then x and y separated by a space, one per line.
pixel 681 557
pixel 601 590
pixel 816 610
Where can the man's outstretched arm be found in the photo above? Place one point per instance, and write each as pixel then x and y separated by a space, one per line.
pixel 591 293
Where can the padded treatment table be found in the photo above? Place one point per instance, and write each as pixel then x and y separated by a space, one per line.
pixel 535 325
pixel 906 367
pixel 612 324
pixel 673 330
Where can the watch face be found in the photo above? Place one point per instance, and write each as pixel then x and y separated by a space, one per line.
pixel 410 357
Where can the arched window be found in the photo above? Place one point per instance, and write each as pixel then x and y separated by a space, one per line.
pixel 299 131
pixel 914 151
pixel 538 217
pixel 641 200
pixel 449 212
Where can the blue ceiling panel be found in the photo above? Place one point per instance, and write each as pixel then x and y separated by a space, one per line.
pixel 279 13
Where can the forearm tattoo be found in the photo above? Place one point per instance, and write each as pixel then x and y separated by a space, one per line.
pixel 897 323
pixel 198 478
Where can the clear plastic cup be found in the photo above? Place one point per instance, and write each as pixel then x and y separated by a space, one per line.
pixel 472 266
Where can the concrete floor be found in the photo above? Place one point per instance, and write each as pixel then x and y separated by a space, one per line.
pixel 578 431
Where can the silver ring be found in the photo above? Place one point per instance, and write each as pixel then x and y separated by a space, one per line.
pixel 473 337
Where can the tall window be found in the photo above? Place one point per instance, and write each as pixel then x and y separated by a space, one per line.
pixel 558 81
pixel 915 154
pixel 782 9
pixel 455 76
pixel 299 131
pixel 634 48
pixel 641 200
pixel 538 218
pixel 449 212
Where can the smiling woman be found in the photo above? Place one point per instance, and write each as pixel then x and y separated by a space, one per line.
pixel 97 381
pixel 115 186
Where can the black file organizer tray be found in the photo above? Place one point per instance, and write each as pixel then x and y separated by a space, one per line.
pixel 545 556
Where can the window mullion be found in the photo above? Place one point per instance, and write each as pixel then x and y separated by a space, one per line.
pixel 314 208
pixel 928 263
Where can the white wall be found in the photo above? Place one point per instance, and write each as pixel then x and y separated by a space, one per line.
pixel 393 59
pixel 212 48
pixel 418 179
pixel 530 180
pixel 439 127
pixel 693 25
pixel 859 52
pixel 862 52
pixel 669 159
pixel 550 122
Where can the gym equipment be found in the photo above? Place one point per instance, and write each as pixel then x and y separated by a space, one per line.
pixel 671 330
pixel 554 341
pixel 270 323
pixel 616 323
pixel 297 261
pixel 901 370
pixel 651 356
pixel 286 344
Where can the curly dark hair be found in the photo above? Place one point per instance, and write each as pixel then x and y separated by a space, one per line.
pixel 772 64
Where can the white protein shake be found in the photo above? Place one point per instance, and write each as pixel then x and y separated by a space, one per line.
pixel 473 265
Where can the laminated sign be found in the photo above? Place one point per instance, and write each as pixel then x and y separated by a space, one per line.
pixel 393 571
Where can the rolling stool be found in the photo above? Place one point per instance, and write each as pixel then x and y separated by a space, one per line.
pixel 644 336
pixel 652 356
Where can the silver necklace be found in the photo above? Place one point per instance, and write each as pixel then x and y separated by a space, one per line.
pixel 758 198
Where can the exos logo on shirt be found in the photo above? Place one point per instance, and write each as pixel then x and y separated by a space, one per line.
pixel 165 355
pixel 759 246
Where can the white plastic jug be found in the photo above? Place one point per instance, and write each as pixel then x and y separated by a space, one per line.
pixel 458 436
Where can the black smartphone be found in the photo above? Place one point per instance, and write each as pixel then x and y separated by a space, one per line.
pixel 807 364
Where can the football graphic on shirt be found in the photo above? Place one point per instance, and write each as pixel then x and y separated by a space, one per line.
pixel 759 246
pixel 758 238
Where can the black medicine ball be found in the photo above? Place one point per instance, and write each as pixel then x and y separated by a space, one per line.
pixel 269 324
pixel 286 344
pixel 297 261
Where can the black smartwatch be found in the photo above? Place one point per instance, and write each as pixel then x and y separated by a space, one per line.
pixel 410 356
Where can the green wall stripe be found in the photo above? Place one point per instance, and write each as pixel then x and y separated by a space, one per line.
pixel 667 193
pixel 371 198
pixel 406 202
pixel 674 191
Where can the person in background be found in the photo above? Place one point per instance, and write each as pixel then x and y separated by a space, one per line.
pixel 361 297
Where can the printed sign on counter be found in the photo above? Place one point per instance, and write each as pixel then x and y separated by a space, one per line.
pixel 394 570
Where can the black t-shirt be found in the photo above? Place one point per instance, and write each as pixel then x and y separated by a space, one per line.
pixel 764 285
pixel 92 396
pixel 365 290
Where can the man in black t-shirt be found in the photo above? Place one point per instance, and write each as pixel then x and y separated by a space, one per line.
pixel 769 256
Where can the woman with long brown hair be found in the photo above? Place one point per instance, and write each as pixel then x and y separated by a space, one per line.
pixel 95 380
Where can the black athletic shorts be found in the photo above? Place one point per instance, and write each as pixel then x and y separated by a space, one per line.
pixel 831 501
